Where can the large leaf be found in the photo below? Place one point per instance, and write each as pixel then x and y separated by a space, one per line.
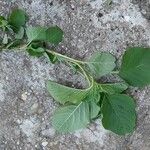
pixel 101 64
pixel 54 35
pixel 65 94
pixel 36 33
pixel 135 68
pixel 118 113
pixel 17 19
pixel 112 88
pixel 73 117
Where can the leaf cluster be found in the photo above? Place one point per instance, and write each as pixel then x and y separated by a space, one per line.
pixel 12 28
pixel 79 107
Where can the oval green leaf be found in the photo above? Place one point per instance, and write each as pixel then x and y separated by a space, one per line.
pixel 73 117
pixel 135 68
pixel 36 34
pixel 118 113
pixel 16 19
pixel 101 64
pixel 64 94
pixel 54 35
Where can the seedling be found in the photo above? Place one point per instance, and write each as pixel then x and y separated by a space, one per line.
pixel 79 107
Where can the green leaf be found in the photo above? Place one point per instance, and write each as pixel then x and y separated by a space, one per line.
pixel 17 18
pixel 5 39
pixel 101 64
pixel 3 23
pixel 65 94
pixel 94 109
pixel 72 117
pixel 54 35
pixel 118 113
pixel 51 57
pixel 93 98
pixel 19 35
pixel 34 49
pixel 112 88
pixel 1 19
pixel 135 68
pixel 36 34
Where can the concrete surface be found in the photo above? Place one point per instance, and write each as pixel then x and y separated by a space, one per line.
pixel 89 25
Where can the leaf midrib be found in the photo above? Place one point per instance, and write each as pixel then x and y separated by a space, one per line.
pixel 70 115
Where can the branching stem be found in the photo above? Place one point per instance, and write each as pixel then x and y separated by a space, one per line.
pixel 74 61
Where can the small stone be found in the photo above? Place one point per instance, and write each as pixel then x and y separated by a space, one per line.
pixel 40 111
pixel 44 143
pixel 48 132
pixel 34 108
pixel 24 96
pixel 19 121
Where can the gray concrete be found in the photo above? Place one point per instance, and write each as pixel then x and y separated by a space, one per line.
pixel 89 25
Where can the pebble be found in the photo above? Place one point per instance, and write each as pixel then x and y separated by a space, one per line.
pixel 34 107
pixel 48 132
pixel 44 143
pixel 24 96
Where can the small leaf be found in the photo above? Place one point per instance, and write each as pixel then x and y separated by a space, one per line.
pixel 65 94
pixel 3 23
pixel 9 28
pixel 5 39
pixel 112 88
pixel 109 2
pixel 36 34
pixel 34 49
pixel 17 18
pixel 2 18
pixel 118 113
pixel 51 57
pixel 135 68
pixel 20 33
pixel 101 64
pixel 54 35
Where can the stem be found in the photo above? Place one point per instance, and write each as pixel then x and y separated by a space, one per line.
pixel 66 57
pixel 20 47
pixel 84 73
pixel 115 72
pixel 77 62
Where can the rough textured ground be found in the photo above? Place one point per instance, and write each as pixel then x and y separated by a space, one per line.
pixel 89 25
